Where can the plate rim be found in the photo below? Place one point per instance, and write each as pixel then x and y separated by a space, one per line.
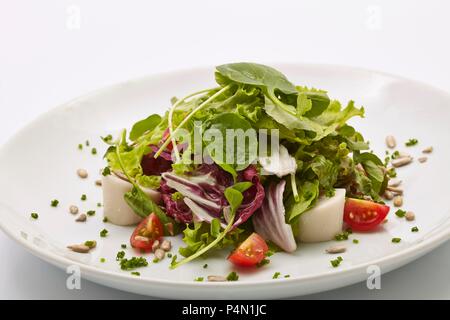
pixel 400 258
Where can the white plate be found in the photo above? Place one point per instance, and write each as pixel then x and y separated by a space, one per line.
pixel 40 162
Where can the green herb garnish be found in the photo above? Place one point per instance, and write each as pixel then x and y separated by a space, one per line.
pixel 199 279
pixel 396 240
pixel 54 203
pixel 103 233
pixel 106 171
pixel 233 276
pixel 34 215
pixel 400 213
pixel 90 243
pixel 120 255
pixel 336 262
pixel 135 273
pixel 411 142
pixel 90 213
pixel 414 229
pixel 83 197
pixel 133 263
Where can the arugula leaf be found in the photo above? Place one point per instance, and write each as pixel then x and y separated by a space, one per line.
pixel 140 127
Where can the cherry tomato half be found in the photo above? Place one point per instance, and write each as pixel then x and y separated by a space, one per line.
pixel 147 232
pixel 251 252
pixel 363 215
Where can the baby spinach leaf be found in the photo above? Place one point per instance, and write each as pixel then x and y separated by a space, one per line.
pixel 258 75
pixel 238 147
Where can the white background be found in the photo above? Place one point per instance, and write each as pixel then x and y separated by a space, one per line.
pixel 54 50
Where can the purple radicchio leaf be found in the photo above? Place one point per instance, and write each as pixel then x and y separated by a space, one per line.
pixel 269 222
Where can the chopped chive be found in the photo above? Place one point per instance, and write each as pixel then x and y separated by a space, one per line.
pixel 205 266
pixel 396 240
pixel 87 143
pixel 133 263
pixel 34 215
pixel 105 219
pixel 54 203
pixel 99 205
pixel 169 255
pixel 400 213
pixel 90 213
pixel 90 243
pixel 80 146
pixel 233 276
pixel 103 233
pixel 336 262
pixel 94 151
pixel 355 241
pixel 414 229
pixel 106 171
pixel 276 275
pixel 83 197
pixel 102 260
pixel 155 260
pixel 199 279
pixel 411 142
pixel 135 273
pixel 123 246
pixel 287 276
pixel 120 255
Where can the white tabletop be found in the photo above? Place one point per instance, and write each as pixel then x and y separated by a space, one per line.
pixel 52 51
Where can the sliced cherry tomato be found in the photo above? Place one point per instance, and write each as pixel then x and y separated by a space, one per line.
pixel 363 215
pixel 251 252
pixel 147 232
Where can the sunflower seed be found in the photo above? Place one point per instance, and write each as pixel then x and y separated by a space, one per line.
pixel 394 190
pixel 160 254
pixel 410 216
pixel 79 248
pixel 155 245
pixel 400 162
pixel 73 209
pixel 422 159
pixel 388 195
pixel 336 249
pixel 81 218
pixel 427 150
pixel 82 173
pixel 216 279
pixel 166 245
pixel 98 183
pixel 398 201
pixel 390 142
pixel 395 183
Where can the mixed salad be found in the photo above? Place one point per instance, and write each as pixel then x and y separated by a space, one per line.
pixel 289 169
